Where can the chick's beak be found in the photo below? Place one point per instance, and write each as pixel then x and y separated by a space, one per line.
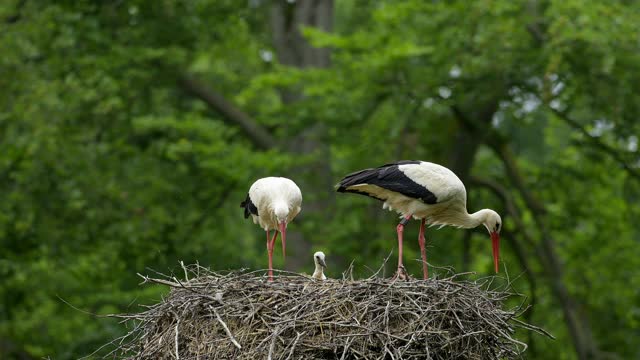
pixel 322 263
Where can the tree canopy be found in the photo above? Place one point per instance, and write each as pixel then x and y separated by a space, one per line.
pixel 131 130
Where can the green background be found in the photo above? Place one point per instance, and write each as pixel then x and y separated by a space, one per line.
pixel 130 131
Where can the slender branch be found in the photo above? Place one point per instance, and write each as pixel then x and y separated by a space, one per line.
pixel 597 143
pixel 234 115
pixel 500 147
pixel 508 202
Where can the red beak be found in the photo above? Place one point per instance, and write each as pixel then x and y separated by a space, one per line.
pixel 283 230
pixel 495 240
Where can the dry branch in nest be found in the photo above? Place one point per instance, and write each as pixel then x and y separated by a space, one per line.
pixel 239 315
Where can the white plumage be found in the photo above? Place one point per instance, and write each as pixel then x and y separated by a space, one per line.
pixel 319 261
pixel 425 191
pixel 277 199
pixel 273 202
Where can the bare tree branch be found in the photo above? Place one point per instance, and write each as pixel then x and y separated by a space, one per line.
pixel 234 115
pixel 577 324
pixel 597 143
pixel 520 230
pixel 508 202
pixel 502 149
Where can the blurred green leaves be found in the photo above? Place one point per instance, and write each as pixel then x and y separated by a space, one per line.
pixel 108 167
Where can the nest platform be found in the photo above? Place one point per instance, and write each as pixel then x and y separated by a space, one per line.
pixel 239 315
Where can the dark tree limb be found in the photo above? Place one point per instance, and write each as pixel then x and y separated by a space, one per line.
pixel 522 257
pixel 501 147
pixel 11 19
pixel 577 324
pixel 508 202
pixel 519 250
pixel 234 115
pixel 612 152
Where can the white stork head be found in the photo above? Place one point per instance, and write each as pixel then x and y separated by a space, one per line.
pixel 493 223
pixel 281 211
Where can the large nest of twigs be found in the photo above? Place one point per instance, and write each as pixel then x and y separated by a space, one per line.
pixel 239 315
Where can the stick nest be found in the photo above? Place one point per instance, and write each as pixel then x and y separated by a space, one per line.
pixel 239 315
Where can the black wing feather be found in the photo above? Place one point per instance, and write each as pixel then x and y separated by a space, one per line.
pixel 388 177
pixel 249 207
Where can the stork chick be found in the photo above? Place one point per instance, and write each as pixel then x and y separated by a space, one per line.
pixel 318 259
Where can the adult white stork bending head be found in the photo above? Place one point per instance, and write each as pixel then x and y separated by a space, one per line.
pixel 273 202
pixel 318 259
pixel 425 191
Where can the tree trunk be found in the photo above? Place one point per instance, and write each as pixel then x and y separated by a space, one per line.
pixel 292 49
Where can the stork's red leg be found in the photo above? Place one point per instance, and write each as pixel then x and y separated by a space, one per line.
pixel 423 251
pixel 270 253
pixel 270 245
pixel 401 273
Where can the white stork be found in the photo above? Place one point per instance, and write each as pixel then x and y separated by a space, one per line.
pixel 318 259
pixel 425 191
pixel 273 202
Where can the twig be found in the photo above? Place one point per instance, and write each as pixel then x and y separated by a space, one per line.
pixel 293 347
pixel 176 339
pixel 186 275
pixel 226 329
pixel 159 281
pixel 273 343
pixel 346 347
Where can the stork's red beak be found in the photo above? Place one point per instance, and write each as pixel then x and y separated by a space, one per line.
pixel 495 240
pixel 283 231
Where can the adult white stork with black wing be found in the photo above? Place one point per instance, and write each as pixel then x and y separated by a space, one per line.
pixel 273 202
pixel 425 191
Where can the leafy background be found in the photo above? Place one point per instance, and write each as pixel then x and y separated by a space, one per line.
pixel 131 130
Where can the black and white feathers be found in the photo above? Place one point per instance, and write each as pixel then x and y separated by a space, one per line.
pixel 418 188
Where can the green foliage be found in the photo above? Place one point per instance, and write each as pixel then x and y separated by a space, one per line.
pixel 109 167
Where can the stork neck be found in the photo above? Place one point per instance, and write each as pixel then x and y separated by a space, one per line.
pixel 318 271
pixel 474 220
